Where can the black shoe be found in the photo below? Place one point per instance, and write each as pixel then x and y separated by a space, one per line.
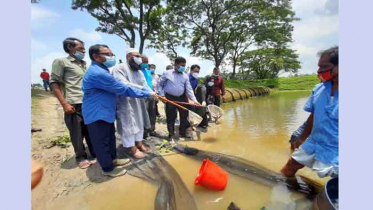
pixel 186 135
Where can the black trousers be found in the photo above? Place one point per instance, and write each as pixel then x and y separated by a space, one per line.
pixel 171 114
pixel 150 106
pixel 217 100
pixel 156 109
pixel 202 111
pixel 78 130
pixel 103 140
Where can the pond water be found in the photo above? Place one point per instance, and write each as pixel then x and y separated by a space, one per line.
pixel 256 129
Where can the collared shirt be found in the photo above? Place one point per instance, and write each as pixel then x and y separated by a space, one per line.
pixel 193 81
pixel 69 72
pixel 176 84
pixel 148 77
pixel 100 94
pixel 323 140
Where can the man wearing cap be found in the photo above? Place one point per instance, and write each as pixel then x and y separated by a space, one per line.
pixel 132 116
pixel 175 86
pixel 101 90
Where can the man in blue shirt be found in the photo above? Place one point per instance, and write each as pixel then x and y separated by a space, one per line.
pixel 99 107
pixel 193 76
pixel 319 149
pixel 175 85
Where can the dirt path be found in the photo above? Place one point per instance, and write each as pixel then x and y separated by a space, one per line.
pixel 61 177
pixel 62 180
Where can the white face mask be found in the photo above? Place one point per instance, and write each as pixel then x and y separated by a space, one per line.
pixel 195 75
pixel 137 60
pixel 210 84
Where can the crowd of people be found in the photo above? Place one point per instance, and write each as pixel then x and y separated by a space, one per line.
pixel 128 93
pixel 95 97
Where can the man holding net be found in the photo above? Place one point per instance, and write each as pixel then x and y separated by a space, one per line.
pixel 175 86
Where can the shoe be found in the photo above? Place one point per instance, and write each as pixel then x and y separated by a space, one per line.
pixel 187 136
pixel 153 133
pixel 121 162
pixel 115 172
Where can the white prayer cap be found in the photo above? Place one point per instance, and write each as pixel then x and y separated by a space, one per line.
pixel 131 50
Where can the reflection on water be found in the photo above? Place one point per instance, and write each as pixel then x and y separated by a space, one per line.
pixel 257 129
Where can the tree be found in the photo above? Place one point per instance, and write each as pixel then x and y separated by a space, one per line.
pixel 267 24
pixel 211 24
pixel 125 18
pixel 268 62
pixel 169 36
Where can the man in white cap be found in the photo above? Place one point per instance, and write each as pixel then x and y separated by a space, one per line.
pixel 132 116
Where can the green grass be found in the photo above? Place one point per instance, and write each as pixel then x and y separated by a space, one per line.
pixel 281 84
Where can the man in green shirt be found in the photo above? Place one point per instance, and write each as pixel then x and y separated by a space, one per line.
pixel 66 83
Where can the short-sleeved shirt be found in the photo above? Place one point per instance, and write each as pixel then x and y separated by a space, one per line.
pixel 323 140
pixel 69 72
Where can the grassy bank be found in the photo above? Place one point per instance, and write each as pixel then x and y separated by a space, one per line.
pixel 282 84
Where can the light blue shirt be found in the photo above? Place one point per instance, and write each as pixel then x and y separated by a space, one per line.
pixel 323 140
pixel 176 84
pixel 100 94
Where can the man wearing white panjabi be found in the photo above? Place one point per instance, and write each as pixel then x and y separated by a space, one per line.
pixel 132 116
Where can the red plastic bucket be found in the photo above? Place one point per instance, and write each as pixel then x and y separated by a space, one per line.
pixel 211 176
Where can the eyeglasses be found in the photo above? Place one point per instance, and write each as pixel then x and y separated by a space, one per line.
pixel 107 54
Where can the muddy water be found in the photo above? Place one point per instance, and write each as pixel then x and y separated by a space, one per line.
pixel 256 129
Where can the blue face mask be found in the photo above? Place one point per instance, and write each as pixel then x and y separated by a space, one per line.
pixel 181 69
pixel 144 66
pixel 79 55
pixel 110 61
pixel 152 71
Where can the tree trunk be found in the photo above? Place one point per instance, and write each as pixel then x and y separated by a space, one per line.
pixel 142 43
pixel 234 69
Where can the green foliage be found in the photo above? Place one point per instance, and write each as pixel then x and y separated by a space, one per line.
pixel 125 18
pixel 61 141
pixel 283 83
pixel 268 62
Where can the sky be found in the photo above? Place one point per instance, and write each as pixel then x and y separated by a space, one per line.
pixel 52 21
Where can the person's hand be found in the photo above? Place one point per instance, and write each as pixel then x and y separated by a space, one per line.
pixel 197 104
pixel 204 103
pixel 152 94
pixel 162 98
pixel 68 109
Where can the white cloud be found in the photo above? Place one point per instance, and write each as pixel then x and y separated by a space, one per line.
pixel 160 60
pixel 89 37
pixel 38 13
pixel 37 45
pixel 304 50
pixel 316 27
pixel 44 62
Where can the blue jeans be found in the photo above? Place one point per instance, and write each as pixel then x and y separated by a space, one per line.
pixel 46 84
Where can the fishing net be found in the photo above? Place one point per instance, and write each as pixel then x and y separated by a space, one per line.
pixel 194 119
pixel 172 193
pixel 215 111
pixel 252 171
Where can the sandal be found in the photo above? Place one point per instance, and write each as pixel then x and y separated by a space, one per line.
pixel 138 154
pixel 145 149
pixel 84 164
